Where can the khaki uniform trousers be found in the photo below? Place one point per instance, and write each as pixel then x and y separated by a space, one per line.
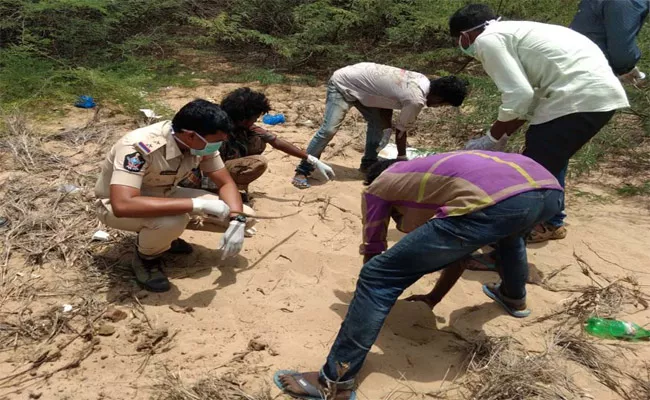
pixel 155 235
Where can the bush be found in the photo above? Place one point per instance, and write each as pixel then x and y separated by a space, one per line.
pixel 294 33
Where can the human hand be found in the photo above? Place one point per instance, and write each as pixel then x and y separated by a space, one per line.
pixel 323 168
pixel 232 240
pixel 214 207
pixel 423 298
pixel 488 142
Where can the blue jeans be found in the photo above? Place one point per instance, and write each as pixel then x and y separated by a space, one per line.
pixel 558 219
pixel 336 107
pixel 430 248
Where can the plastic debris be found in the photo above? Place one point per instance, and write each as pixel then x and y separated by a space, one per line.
pixel 85 102
pixel 101 236
pixel 67 308
pixel 270 119
pixel 151 114
pixel 68 188
pixel 390 152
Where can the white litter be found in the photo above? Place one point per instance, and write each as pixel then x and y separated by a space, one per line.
pixel 390 152
pixel 68 188
pixel 67 308
pixel 101 236
pixel 151 114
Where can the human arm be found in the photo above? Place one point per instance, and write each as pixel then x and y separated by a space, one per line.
pixel 407 116
pixel 232 240
pixel 127 202
pixel 129 168
pixel 375 213
pixel 447 280
pixel 517 94
pixel 506 70
pixel 292 150
pixel 228 191
pixel 288 148
pixel 400 142
pixel 500 128
pixel 622 21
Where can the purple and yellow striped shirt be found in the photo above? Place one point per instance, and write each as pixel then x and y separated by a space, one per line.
pixel 444 185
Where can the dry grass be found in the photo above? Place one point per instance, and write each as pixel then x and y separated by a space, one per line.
pixel 173 387
pixel 499 369
pixel 602 301
pixel 47 251
pixel 598 359
pixel 641 384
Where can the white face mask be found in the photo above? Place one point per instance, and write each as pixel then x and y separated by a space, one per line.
pixel 471 49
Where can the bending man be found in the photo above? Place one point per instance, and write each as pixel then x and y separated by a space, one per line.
pixel 554 78
pixel 376 90
pixel 450 204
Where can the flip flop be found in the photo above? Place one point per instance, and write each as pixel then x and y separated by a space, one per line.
pixel 312 392
pixel 492 291
pixel 483 260
pixel 300 183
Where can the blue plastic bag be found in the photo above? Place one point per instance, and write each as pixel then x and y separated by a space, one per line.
pixel 273 119
pixel 85 102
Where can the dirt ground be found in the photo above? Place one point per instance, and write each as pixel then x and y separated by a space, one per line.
pixel 289 288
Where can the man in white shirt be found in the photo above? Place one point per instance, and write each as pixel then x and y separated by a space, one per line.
pixel 556 79
pixel 376 90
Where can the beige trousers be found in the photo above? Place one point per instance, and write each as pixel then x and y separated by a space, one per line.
pixel 156 234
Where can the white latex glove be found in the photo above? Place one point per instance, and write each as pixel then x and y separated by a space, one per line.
pixel 385 138
pixel 233 240
pixel 216 208
pixel 488 142
pixel 633 76
pixel 323 168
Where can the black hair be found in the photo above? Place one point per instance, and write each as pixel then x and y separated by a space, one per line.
pixel 468 17
pixel 451 89
pixel 376 169
pixel 243 104
pixel 202 117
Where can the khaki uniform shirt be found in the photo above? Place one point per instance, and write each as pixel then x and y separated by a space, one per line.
pixel 149 159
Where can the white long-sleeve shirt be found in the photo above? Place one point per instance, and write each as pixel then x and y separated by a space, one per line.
pixel 383 86
pixel 546 71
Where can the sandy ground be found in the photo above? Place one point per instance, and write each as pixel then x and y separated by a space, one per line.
pixel 290 286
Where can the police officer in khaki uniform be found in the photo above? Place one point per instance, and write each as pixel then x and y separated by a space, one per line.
pixel 137 188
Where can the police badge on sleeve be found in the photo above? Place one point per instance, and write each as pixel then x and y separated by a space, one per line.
pixel 134 162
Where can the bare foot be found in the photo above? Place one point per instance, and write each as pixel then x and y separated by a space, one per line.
pixel 430 302
pixel 292 387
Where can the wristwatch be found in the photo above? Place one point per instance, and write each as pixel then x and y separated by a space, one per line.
pixel 239 218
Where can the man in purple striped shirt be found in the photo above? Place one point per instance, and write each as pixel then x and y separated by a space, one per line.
pixel 450 205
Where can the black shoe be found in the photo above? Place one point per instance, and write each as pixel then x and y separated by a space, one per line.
pixel 149 274
pixel 179 246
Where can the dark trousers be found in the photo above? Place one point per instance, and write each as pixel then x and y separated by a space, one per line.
pixel 553 143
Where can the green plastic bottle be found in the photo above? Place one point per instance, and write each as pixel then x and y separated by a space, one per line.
pixel 614 329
